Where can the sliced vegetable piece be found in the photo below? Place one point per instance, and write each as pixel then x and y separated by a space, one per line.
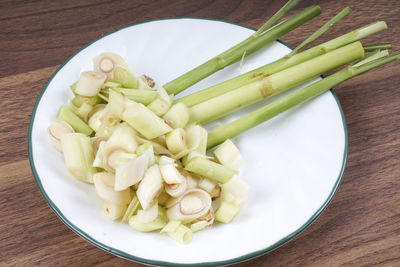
pixel 144 121
pixel 178 231
pixel 191 205
pixel 56 130
pixel 90 83
pixel 229 155
pixel 210 169
pixel 150 187
pixel 177 116
pixel 65 114
pixel 125 78
pixel 226 212
pixel 106 191
pixel 176 140
pixel 113 211
pixel 78 156
pixel 107 62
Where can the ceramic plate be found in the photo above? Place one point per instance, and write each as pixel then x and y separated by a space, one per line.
pixel 294 162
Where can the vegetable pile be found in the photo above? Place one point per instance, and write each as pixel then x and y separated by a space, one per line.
pixel 145 150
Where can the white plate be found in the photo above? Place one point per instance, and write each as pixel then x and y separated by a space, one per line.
pixel 294 163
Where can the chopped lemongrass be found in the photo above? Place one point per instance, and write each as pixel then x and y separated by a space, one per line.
pixel 78 155
pixel 236 191
pixel 142 148
pixel 115 104
pixel 122 144
pixel 193 204
pixel 90 83
pixel 207 184
pixel 73 87
pixel 65 114
pixel 125 78
pixel 163 198
pixel 140 96
pixel 178 231
pixel 149 214
pixel 145 121
pixel 132 208
pixel 157 224
pixel 106 191
pixel 209 169
pixel 226 212
pixel 83 111
pixel 78 100
pixel 229 155
pixel 177 116
pixel 176 189
pixel 198 226
pixel 111 84
pixel 56 130
pixel 196 137
pixel 107 62
pixel 162 103
pixel 150 187
pixel 113 211
pixel 176 140
pixel 131 172
pixel 96 141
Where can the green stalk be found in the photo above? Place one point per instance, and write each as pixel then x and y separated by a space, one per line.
pixel 65 114
pixel 234 54
pixel 320 31
pixel 372 47
pixel 280 64
pixel 209 169
pixel 221 105
pixel 141 96
pixel 278 15
pixel 267 112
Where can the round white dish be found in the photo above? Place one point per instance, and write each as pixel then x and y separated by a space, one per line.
pixel 294 162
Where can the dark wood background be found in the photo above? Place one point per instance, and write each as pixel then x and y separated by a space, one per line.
pixel 360 227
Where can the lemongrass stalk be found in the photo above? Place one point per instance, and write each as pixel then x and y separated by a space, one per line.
pixel 320 31
pixel 78 156
pixel 267 112
pixel 132 208
pixel 371 57
pixel 234 54
pixel 209 169
pixel 138 95
pixel 372 47
pixel 145 121
pixel 113 211
pixel 278 15
pixel 221 105
pixel 162 103
pixel 226 212
pixel 65 114
pixel 281 64
pixel 125 78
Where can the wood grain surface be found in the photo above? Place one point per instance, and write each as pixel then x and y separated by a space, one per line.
pixel 360 227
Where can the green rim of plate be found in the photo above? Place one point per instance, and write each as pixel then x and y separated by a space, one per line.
pixel 164 263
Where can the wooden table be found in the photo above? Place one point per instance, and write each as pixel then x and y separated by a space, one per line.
pixel 361 226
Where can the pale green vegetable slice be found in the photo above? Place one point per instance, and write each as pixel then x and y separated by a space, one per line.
pixel 78 155
pixel 226 212
pixel 229 155
pixel 113 211
pixel 132 208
